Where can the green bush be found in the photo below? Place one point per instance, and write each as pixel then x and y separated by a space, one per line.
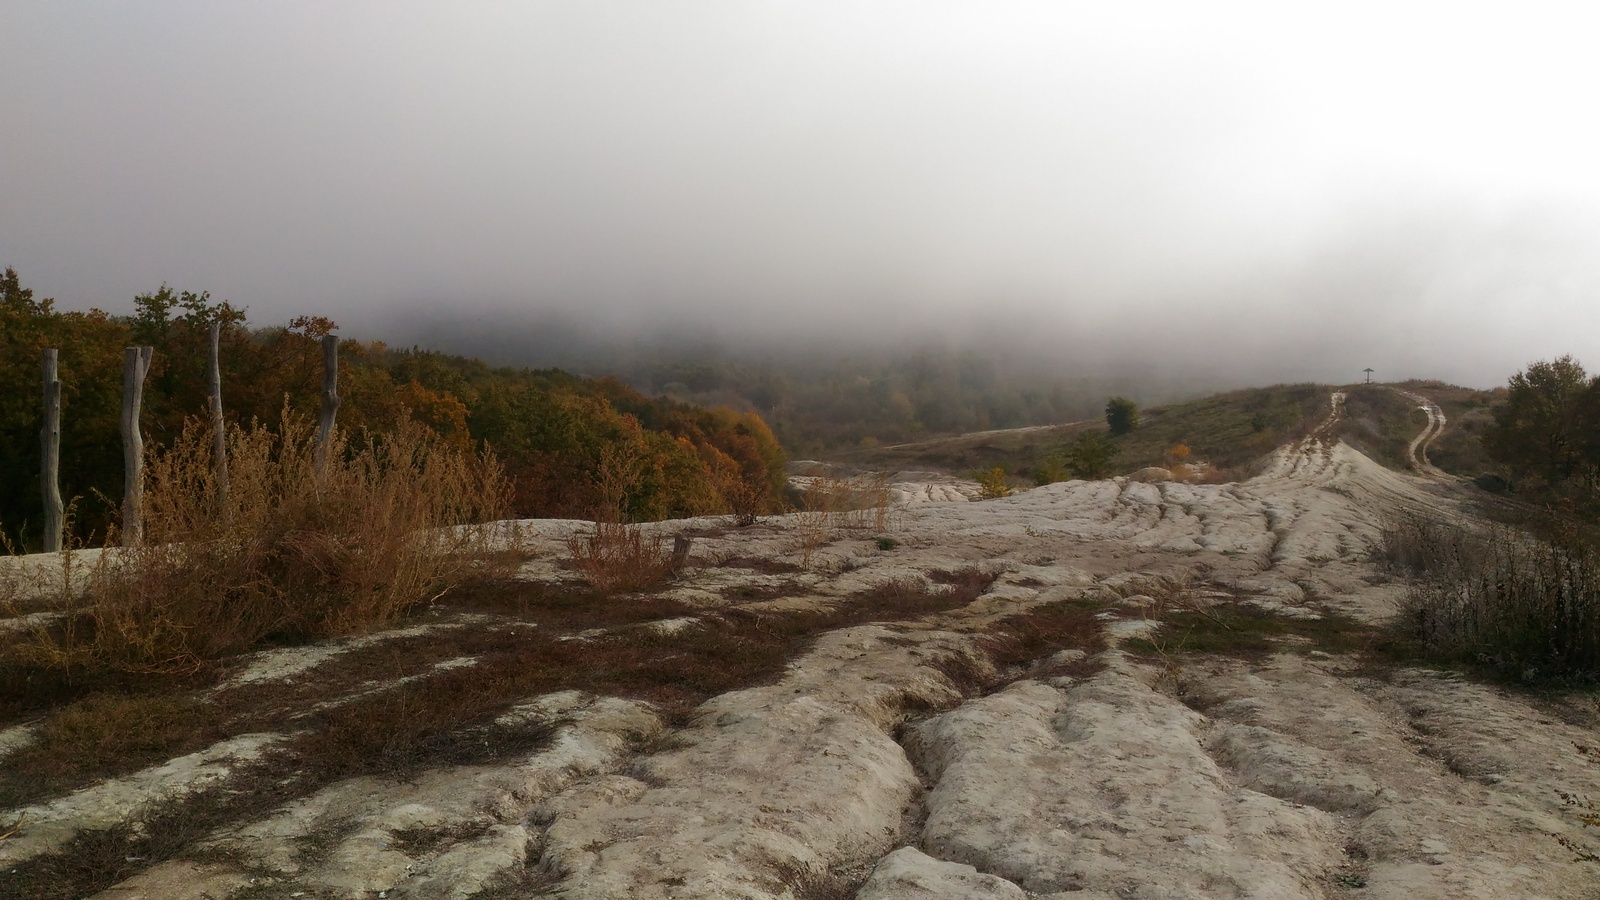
pixel 1122 415
pixel 1089 457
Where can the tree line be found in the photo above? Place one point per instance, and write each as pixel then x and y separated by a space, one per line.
pixel 888 396
pixel 573 446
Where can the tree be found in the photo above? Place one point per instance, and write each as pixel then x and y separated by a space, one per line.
pixel 1122 415
pixel 1546 426
pixel 1089 457
pixel 90 369
pixel 992 484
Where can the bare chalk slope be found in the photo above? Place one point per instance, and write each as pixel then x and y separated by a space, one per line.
pixel 866 770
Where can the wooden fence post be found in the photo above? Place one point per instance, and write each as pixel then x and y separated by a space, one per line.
pixel 219 431
pixel 330 395
pixel 135 365
pixel 50 465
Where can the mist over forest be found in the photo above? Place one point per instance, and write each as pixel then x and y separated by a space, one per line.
pixel 1244 194
pixel 820 394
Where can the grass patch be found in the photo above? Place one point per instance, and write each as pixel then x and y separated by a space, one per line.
pixel 761 565
pixel 119 723
pixel 1022 640
pixel 756 593
pixel 1229 430
pixel 1468 412
pixel 1248 632
pixel 908 598
pixel 1021 645
pixel 107 723
pixel 558 607
pixel 1381 423
pixel 104 734
pixel 416 842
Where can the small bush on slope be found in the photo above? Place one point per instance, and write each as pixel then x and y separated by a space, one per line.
pixel 992 484
pixel 620 557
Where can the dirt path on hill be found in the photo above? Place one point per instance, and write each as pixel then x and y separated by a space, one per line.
pixel 1417 452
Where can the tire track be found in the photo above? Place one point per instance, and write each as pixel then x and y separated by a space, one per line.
pixel 1417 452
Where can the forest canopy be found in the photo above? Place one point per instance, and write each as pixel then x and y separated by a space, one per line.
pixel 574 447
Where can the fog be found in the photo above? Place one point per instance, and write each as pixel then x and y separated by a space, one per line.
pixel 1244 192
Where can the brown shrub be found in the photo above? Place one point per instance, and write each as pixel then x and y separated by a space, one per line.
pixel 619 557
pixel 1522 603
pixel 296 549
pixel 1022 639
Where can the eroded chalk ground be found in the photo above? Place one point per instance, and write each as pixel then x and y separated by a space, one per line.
pixel 912 759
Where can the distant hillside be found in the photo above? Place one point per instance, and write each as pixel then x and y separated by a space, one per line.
pixel 825 396
pixel 1230 431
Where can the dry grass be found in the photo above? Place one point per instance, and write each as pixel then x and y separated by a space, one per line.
pixel 829 504
pixel 1525 604
pixel 859 502
pixel 298 550
pixel 1024 639
pixel 619 557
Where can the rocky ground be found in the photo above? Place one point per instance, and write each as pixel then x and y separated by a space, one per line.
pixel 1088 690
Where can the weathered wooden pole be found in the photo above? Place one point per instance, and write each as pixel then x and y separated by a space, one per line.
pixel 330 395
pixel 50 465
pixel 219 431
pixel 135 365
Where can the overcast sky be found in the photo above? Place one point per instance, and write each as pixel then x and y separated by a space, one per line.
pixel 1414 187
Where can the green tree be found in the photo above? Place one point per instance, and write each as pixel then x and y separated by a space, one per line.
pixel 91 381
pixel 1546 426
pixel 1122 415
pixel 1089 457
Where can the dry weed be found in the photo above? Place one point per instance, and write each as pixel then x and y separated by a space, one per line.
pixel 1523 603
pixel 829 504
pixel 619 557
pixel 302 549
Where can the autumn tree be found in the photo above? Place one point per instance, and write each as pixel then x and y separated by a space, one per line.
pixel 91 382
pixel 571 445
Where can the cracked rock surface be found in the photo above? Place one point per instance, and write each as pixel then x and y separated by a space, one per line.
pixel 908 758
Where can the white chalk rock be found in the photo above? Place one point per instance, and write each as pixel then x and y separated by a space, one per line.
pixel 1150 474
pixel 910 874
